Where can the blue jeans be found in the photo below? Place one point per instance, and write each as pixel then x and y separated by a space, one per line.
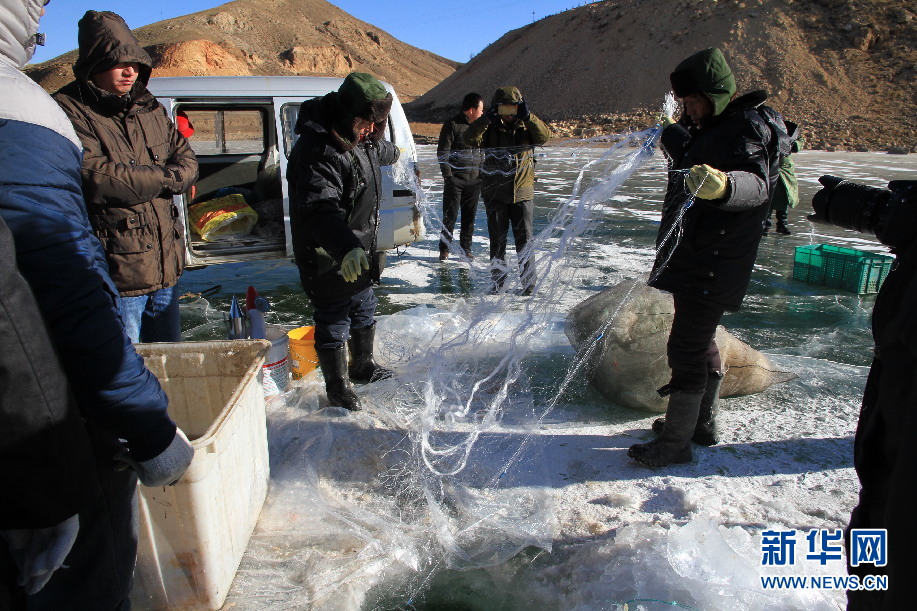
pixel 152 317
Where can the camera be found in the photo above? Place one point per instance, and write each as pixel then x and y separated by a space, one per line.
pixel 890 214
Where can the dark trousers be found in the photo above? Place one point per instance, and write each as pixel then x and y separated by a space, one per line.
pixel 885 457
pixel 691 348
pixel 500 216
pixel 334 319
pixel 464 198
pixel 100 566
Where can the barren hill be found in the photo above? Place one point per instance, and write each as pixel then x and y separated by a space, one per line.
pixel 261 37
pixel 844 69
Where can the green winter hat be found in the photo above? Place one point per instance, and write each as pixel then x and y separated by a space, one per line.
pixel 362 95
pixel 507 95
pixel 705 72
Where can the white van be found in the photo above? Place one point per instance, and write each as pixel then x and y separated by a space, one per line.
pixel 243 135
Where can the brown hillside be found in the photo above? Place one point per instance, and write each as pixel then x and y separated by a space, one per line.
pixel 844 69
pixel 269 37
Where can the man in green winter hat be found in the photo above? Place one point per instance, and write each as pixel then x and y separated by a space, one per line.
pixel 509 133
pixel 335 185
pixel 723 164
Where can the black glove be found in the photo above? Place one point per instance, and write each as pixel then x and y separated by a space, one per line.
pixel 172 182
pixel 522 111
pixel 492 115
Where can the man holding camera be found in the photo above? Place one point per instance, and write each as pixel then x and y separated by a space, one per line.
pixel 509 133
pixel 884 452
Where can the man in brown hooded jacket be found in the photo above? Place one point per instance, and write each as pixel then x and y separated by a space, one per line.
pixel 134 162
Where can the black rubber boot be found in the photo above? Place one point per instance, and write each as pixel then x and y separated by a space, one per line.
pixel 333 362
pixel 362 366
pixel 782 228
pixel 674 443
pixel 705 433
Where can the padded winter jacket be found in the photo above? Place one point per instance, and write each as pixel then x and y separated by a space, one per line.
pixel 63 262
pixel 714 257
pixel 884 448
pixel 134 161
pixel 459 161
pixel 509 156
pixel 335 193
pixel 46 466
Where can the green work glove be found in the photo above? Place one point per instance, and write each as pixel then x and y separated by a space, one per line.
pixel 353 264
pixel 707 183
pixel 665 120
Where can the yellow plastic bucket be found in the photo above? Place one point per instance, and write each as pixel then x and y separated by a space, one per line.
pixel 302 351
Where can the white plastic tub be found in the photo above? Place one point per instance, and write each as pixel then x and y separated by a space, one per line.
pixel 193 534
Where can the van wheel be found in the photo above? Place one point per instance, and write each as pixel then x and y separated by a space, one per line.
pixel 378 267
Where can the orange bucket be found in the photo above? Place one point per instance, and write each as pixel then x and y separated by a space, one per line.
pixel 302 351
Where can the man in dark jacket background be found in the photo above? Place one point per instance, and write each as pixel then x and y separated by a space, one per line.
pixel 723 155
pixel 509 132
pixel 134 161
pixel 335 192
pixel 117 396
pixel 460 164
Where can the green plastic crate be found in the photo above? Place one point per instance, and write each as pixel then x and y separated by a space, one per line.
pixel 842 268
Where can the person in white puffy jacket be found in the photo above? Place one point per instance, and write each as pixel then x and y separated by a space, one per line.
pixel 121 406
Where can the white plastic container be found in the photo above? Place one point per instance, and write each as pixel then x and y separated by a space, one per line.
pixel 277 361
pixel 193 534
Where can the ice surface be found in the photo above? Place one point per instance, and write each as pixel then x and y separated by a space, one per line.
pixel 544 509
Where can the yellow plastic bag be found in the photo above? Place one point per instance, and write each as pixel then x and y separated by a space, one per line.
pixel 222 218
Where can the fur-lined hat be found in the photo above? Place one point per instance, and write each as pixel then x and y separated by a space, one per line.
pixel 707 73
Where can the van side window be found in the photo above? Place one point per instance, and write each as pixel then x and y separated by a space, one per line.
pixel 227 132
pixel 288 116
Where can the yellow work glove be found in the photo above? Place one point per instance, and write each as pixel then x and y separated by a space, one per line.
pixel 707 183
pixel 665 120
pixel 353 264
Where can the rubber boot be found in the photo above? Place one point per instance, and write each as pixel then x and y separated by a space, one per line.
pixel 674 443
pixel 333 362
pixel 782 226
pixel 362 366
pixel 705 433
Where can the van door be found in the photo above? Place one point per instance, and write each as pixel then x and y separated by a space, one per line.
pixel 236 210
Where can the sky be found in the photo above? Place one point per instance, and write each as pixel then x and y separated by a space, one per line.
pixel 455 30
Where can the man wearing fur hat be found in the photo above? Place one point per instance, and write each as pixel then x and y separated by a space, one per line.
pixel 134 161
pixel 335 191
pixel 724 154
pixel 509 133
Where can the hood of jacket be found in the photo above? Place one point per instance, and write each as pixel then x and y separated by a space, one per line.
pixel 19 30
pixel 706 72
pixel 105 40
pixel 506 95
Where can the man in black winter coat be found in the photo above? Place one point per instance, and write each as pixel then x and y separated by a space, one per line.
pixel 46 461
pixel 884 452
pixel 335 191
pixel 460 164
pixel 723 167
